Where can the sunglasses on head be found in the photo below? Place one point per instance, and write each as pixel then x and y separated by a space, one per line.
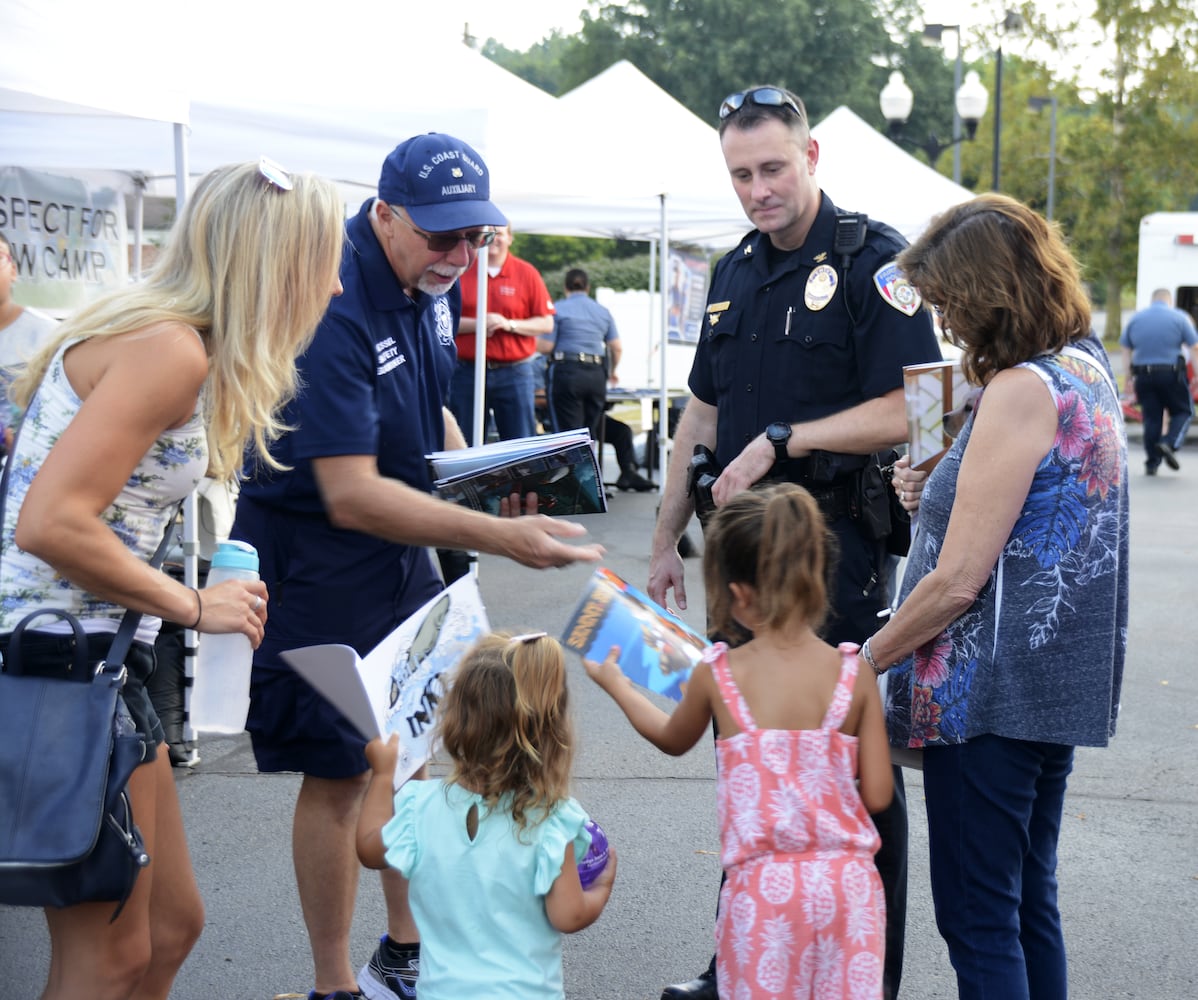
pixel 445 242
pixel 274 174
pixel 766 97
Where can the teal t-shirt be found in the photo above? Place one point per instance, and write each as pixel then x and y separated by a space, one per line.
pixel 480 904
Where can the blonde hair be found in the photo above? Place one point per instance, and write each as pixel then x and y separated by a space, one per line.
pixel 251 267
pixel 1005 282
pixel 773 538
pixel 506 725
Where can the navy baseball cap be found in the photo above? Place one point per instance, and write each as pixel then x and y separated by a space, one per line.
pixel 441 182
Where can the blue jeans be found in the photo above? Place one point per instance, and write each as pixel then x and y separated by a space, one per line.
pixel 994 818
pixel 510 397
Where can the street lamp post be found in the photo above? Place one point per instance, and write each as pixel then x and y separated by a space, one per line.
pixel 1036 104
pixel 897 100
pixel 1012 24
pixel 935 33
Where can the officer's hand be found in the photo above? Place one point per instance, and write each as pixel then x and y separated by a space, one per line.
pixel 744 471
pixel 666 573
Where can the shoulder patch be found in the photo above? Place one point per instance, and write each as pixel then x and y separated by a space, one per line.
pixel 896 291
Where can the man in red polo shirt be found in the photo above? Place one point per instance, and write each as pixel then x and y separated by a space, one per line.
pixel 519 309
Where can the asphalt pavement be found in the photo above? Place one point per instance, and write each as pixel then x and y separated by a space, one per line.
pixel 1128 851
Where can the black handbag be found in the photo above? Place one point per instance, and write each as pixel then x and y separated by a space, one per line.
pixel 68 747
pixel 68 751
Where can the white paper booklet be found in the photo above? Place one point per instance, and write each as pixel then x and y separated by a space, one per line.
pixel 446 464
pixel 396 686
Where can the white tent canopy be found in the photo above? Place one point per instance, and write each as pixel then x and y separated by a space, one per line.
pixel 641 145
pixel 863 171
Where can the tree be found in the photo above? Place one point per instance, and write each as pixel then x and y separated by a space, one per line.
pixel 702 50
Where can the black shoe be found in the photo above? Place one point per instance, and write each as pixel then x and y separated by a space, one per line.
pixel 1149 469
pixel 703 988
pixel 634 481
pixel 1169 455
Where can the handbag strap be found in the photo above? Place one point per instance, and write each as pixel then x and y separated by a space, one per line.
pixel 128 627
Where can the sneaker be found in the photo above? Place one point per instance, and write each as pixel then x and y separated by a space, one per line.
pixel 391 972
pixel 1169 455
pixel 335 995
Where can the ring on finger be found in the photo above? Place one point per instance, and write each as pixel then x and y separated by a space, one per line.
pixel 257 602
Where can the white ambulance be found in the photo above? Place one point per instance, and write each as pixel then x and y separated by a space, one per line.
pixel 1169 259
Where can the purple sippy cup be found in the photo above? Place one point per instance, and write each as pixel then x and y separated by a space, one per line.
pixel 596 857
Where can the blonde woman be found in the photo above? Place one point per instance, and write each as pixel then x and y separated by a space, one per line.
pixel 138 396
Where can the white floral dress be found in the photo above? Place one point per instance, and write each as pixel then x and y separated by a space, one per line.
pixel 802 912
pixel 138 516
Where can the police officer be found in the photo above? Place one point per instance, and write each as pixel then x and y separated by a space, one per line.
pixel 1152 343
pixel 798 376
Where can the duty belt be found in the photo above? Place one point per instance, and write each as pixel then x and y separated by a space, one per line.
pixel 586 359
pixel 1151 369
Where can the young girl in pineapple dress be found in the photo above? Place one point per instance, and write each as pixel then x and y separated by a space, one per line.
pixel 802 759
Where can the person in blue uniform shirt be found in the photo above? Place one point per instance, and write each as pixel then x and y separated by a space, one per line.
pixel 1153 342
pixel 798 376
pixel 342 534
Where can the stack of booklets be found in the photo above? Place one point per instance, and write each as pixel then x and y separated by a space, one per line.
pixel 658 650
pixel 395 688
pixel 561 469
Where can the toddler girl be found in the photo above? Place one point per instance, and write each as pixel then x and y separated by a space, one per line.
pixel 491 851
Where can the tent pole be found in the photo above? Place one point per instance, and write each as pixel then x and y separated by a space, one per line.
pixel 139 218
pixel 478 431
pixel 663 416
pixel 191 530
pixel 652 323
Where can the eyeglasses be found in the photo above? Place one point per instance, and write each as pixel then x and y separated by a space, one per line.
pixel 766 97
pixel 5 256
pixel 445 242
pixel 275 174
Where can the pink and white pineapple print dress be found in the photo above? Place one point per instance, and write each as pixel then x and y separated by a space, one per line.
pixel 802 912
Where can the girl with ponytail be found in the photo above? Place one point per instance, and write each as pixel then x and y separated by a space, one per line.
pixel 491 851
pixel 801 754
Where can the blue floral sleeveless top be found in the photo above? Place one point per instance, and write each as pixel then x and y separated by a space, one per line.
pixel 1039 655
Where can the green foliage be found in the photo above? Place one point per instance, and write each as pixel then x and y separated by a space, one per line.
pixel 603 272
pixel 1124 148
pixel 822 51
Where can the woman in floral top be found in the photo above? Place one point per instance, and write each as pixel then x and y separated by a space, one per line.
pixel 135 399
pixel 1007 648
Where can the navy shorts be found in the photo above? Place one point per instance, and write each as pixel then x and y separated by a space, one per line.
pixel 293 728
pixel 326 585
pixel 45 652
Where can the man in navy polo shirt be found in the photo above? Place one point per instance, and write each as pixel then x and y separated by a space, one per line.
pixel 343 534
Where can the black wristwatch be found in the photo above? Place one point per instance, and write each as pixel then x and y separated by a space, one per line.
pixel 778 434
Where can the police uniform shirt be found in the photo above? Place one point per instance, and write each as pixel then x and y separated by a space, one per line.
pixel 374 382
pixel 582 325
pixel 780 342
pixel 1155 335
